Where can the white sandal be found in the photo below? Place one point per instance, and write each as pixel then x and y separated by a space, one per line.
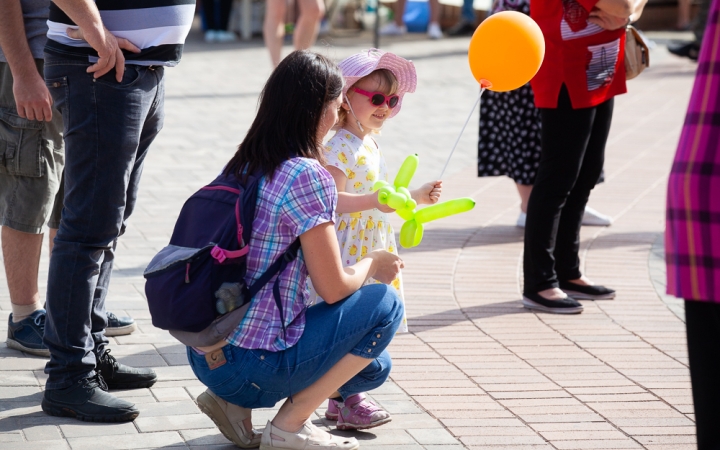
pixel 229 419
pixel 308 437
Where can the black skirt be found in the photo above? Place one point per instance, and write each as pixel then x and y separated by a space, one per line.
pixel 509 137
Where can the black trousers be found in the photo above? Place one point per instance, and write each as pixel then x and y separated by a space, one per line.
pixel 217 13
pixel 703 337
pixel 573 153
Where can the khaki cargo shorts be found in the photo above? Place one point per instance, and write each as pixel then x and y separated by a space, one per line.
pixel 31 164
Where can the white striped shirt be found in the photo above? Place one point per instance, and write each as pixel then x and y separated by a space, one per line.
pixel 157 27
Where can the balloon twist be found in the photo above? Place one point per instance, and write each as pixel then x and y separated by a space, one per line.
pixel 398 197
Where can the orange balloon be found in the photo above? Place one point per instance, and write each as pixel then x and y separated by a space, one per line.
pixel 506 51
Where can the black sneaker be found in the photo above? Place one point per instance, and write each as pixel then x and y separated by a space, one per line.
pixel 462 28
pixel 567 305
pixel 119 326
pixel 587 292
pixel 27 335
pixel 87 400
pixel 120 376
pixel 686 49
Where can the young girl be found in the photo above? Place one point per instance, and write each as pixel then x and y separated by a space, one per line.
pixel 375 82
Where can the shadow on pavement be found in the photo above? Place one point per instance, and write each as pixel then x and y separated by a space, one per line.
pixel 453 316
pixel 455 238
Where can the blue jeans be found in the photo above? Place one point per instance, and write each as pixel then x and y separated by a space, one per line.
pixel 108 127
pixel 362 324
pixel 468 12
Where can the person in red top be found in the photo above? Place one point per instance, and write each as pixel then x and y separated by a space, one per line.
pixel 583 70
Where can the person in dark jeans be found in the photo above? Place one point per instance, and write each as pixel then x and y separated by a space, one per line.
pixel 582 72
pixel 217 17
pixel 112 109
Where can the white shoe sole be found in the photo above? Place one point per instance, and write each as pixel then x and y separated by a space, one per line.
pixel 529 304
pixel 351 427
pixel 15 345
pixel 120 331
pixel 582 296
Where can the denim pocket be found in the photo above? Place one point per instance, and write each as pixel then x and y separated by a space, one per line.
pixel 132 75
pixel 21 144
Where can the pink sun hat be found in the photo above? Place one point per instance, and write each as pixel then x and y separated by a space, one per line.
pixel 366 62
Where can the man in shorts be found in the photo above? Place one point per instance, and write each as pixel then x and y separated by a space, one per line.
pixel 31 168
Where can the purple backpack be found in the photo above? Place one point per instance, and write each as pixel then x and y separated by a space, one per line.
pixel 196 285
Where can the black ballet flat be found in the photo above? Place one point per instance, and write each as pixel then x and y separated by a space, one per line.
pixel 583 292
pixel 567 305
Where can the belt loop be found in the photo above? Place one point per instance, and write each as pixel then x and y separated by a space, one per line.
pixel 227 350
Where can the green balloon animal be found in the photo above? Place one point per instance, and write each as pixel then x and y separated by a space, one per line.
pixel 397 196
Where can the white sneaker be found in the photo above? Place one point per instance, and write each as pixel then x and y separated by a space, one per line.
pixel 393 29
pixel 434 31
pixel 225 36
pixel 521 220
pixel 595 218
pixel 210 36
pixel 590 218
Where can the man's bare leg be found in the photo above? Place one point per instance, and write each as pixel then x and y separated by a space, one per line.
pixel 21 253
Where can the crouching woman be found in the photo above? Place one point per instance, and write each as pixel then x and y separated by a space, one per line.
pixel 332 350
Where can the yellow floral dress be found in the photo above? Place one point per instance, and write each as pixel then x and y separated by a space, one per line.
pixel 363 231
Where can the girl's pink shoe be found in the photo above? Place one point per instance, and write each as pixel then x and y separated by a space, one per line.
pixel 356 413
pixel 333 409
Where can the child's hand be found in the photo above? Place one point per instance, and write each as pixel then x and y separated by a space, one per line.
pixel 428 193
pixel 380 206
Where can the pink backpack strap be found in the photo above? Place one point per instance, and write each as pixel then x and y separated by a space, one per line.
pixel 221 255
pixel 237 214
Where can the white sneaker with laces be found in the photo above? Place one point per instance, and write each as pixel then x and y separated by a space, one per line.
pixel 595 218
pixel 210 36
pixel 393 29
pixel 434 31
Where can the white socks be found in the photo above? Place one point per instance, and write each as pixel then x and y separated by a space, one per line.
pixel 22 312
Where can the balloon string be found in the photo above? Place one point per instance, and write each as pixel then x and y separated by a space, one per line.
pixel 477 102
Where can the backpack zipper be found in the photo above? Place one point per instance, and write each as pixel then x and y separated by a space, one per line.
pixel 187 273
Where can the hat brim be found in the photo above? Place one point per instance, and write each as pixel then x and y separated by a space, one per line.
pixel 362 64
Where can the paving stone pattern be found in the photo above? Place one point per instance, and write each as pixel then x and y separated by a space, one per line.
pixel 476 371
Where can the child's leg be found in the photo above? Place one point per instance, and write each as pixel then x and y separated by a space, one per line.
pixel 355 411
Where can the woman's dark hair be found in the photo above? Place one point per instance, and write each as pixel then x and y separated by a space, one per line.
pixel 291 108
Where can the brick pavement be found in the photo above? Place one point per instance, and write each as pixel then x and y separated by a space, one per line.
pixel 476 371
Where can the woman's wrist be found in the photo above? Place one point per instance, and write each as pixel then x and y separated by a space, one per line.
pixel 373 264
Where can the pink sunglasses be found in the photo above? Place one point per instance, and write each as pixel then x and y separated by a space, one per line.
pixel 378 98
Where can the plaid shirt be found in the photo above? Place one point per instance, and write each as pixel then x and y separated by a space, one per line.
pixel 692 237
pixel 301 196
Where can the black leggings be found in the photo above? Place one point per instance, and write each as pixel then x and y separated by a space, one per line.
pixel 573 152
pixel 703 337
pixel 217 14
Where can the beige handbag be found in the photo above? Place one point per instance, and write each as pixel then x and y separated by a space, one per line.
pixel 637 53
